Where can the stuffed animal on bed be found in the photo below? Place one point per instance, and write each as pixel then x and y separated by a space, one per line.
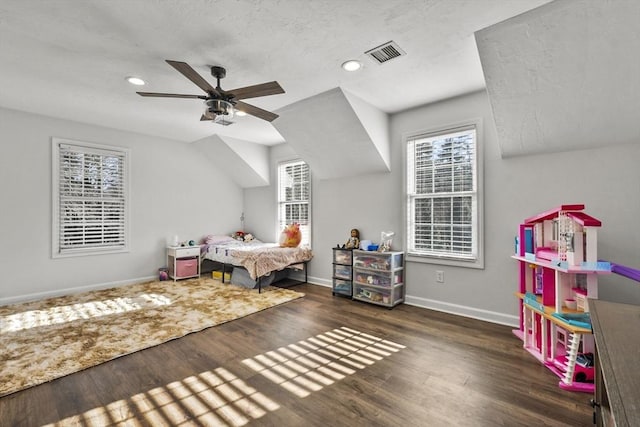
pixel 290 236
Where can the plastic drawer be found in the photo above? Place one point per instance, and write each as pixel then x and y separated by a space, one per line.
pixel 383 261
pixel 342 287
pixel 388 297
pixel 186 267
pixel 342 256
pixel 381 279
pixel 342 271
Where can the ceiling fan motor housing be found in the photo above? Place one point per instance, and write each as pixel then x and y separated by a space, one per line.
pixel 219 107
pixel 218 72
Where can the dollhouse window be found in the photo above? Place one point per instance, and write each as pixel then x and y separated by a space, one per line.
pixel 443 204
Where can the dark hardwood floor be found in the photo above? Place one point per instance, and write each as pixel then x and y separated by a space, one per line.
pixel 317 361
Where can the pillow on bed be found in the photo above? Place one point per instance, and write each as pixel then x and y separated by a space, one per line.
pixel 213 239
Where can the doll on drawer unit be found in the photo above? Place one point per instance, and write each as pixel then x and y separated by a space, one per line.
pixel 354 239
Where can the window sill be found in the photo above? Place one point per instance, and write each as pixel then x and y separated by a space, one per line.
pixel 454 262
pixel 88 252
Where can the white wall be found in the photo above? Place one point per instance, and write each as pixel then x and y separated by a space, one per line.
pixel 260 203
pixel 174 191
pixel 605 180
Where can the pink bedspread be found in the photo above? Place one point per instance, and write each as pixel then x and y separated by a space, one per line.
pixel 261 261
pixel 257 257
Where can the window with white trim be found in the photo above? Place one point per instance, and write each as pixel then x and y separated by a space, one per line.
pixel 294 197
pixel 443 214
pixel 90 198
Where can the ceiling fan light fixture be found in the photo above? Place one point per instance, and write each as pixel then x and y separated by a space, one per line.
pixel 351 65
pixel 222 109
pixel 137 81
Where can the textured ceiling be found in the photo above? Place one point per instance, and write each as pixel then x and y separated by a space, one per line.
pixel 564 76
pixel 69 58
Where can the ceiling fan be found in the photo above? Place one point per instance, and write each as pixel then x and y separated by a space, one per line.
pixel 222 103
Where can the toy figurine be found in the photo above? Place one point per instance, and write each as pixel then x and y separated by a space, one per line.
pixel 291 236
pixel 354 240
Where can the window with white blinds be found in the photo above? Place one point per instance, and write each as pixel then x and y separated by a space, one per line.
pixel 90 198
pixel 442 195
pixel 294 197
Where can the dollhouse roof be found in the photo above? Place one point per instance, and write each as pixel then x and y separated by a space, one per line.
pixel 584 219
pixel 573 212
pixel 552 213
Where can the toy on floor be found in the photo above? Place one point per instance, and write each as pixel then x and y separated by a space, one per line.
pixel 584 371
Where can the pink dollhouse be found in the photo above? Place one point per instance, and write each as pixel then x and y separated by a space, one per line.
pixel 558 272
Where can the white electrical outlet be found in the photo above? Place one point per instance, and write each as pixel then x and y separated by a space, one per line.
pixel 439 276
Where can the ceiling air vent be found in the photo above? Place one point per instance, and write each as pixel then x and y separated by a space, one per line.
pixel 385 52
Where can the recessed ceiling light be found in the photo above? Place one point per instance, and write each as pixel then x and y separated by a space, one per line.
pixel 135 81
pixel 351 65
pixel 240 113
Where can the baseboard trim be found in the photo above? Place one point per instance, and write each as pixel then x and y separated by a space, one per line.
pixel 299 275
pixel 320 282
pixel 71 291
pixel 462 310
pixel 445 307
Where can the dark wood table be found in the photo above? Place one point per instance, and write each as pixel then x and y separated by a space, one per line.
pixel 616 329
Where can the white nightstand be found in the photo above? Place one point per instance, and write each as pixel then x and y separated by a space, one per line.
pixel 183 262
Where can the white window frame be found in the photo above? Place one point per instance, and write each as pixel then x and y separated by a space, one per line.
pixel 59 195
pixel 282 202
pixel 474 259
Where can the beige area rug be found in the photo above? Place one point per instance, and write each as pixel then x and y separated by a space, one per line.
pixel 44 340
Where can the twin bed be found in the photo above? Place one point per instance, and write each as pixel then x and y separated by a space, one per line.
pixel 255 263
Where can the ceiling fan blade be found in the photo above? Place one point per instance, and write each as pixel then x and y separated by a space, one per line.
pixel 255 111
pixel 264 89
pixel 170 95
pixel 186 70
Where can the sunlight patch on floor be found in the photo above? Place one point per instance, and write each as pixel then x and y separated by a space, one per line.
pixel 219 398
pixel 317 362
pixel 211 398
pixel 69 313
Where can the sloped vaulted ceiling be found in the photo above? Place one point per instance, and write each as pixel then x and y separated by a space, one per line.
pixel 564 76
pixel 245 162
pixel 337 134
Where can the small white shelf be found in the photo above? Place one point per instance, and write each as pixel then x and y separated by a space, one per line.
pixel 183 262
